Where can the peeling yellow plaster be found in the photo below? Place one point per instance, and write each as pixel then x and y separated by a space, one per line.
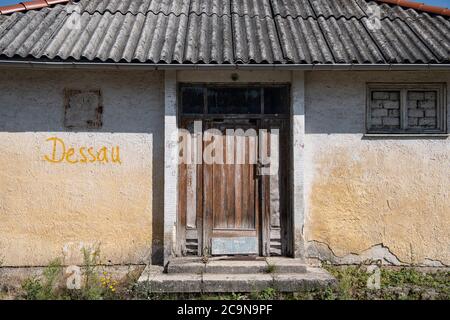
pixel 395 194
pixel 48 210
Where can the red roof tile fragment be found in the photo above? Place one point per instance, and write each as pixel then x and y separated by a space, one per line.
pixel 419 6
pixel 30 5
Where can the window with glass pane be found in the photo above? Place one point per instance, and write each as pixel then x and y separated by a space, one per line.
pixel 226 100
pixel 192 100
pixel 276 100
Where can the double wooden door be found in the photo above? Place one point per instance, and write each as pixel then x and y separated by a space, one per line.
pixel 231 198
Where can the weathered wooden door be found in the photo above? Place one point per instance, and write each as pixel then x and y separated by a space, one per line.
pixel 228 202
pixel 231 184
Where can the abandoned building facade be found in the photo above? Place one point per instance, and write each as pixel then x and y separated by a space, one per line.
pixel 100 99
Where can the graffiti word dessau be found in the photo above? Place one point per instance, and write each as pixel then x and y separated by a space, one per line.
pixel 61 153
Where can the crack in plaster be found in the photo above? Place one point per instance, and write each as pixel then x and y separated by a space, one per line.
pixel 323 252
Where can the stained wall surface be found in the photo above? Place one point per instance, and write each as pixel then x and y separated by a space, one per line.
pixel 372 198
pixel 365 198
pixel 53 201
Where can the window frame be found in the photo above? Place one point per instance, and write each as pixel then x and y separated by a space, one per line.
pixel 404 88
pixel 206 115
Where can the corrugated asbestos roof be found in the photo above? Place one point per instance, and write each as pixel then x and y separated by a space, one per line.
pixel 226 32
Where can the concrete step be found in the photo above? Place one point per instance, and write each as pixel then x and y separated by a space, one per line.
pixel 156 281
pixel 236 266
pixel 186 265
pixel 286 265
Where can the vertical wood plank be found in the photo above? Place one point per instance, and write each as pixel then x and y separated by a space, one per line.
pixel 245 187
pixel 251 180
pixel 238 185
pixel 230 181
pixel 207 202
pixel 217 191
pixel 274 181
pixel 200 209
pixel 266 205
pixel 191 195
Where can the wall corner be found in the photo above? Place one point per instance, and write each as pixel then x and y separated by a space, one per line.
pixel 170 163
pixel 297 168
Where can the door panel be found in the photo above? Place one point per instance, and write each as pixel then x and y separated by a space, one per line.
pixel 231 202
pixel 190 202
pixel 275 140
pixel 226 207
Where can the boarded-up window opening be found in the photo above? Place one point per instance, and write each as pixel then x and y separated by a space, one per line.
pixel 83 109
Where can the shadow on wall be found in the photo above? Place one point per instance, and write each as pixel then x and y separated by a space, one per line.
pixel 335 103
pixel 329 110
pixel 130 103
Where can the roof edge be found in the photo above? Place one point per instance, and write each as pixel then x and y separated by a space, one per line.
pixel 39 4
pixel 30 5
pixel 279 67
pixel 419 6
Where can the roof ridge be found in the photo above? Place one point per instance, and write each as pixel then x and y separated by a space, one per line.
pixel 39 4
pixel 420 6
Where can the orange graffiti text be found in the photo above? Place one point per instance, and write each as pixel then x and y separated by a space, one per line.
pixel 61 153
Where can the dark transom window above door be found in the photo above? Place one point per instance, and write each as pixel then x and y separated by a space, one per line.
pixel 202 100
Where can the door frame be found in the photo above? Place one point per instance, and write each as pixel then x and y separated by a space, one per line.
pixel 263 220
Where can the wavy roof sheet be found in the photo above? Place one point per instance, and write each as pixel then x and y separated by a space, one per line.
pixel 227 32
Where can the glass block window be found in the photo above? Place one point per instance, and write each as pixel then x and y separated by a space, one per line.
pixel 385 110
pixel 406 108
pixel 422 109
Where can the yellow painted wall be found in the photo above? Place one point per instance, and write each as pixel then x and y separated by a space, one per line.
pixel 372 198
pixel 50 210
pixel 365 198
